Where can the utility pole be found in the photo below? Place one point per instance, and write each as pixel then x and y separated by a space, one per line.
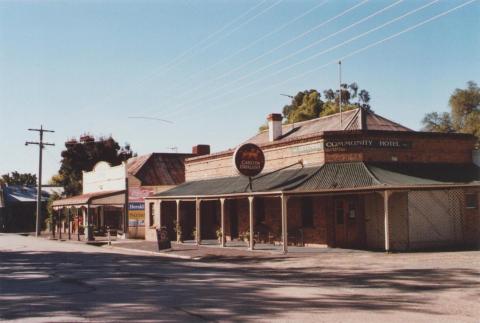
pixel 41 145
pixel 340 90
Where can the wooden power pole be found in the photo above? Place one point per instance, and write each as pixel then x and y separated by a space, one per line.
pixel 41 145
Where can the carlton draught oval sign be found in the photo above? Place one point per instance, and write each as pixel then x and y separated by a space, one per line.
pixel 249 160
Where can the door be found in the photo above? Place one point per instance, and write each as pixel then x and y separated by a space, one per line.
pixel 349 224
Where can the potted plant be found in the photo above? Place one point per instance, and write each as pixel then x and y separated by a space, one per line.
pixel 219 235
pixel 178 230
pixel 246 237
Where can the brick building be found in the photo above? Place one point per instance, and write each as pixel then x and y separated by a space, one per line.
pixel 113 196
pixel 353 180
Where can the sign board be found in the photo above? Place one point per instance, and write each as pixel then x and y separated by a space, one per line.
pixel 249 160
pixel 341 145
pixel 136 214
pixel 136 205
pixel 104 177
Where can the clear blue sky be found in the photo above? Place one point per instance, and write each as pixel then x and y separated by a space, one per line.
pixel 86 66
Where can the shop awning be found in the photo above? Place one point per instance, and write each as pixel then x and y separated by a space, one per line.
pixel 334 176
pixel 94 199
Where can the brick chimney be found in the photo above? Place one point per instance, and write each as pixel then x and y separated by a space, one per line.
pixel 274 126
pixel 200 150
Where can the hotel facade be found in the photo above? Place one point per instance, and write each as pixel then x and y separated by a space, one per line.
pixel 351 180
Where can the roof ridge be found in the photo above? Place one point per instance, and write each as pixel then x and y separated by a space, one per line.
pixel 375 178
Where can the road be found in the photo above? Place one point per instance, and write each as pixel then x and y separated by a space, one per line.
pixel 51 281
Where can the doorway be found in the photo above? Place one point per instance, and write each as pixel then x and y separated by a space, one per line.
pixel 349 223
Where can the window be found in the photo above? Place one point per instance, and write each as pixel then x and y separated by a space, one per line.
pixel 259 207
pixel 151 211
pixel 307 212
pixel 471 201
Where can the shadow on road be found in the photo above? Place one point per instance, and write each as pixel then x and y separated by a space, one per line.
pixel 120 287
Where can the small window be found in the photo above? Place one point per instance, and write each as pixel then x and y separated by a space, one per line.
pixel 307 212
pixel 471 201
pixel 151 211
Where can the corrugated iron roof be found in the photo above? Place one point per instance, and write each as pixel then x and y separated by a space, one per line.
pixel 348 120
pixel 85 198
pixel 333 176
pixel 19 194
pixel 158 168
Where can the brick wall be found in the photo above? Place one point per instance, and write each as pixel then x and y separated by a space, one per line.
pixel 424 148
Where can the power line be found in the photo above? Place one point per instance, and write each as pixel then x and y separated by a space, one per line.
pixel 41 146
pixel 272 50
pixel 256 41
pixel 343 58
pixel 179 57
pixel 150 118
pixel 409 13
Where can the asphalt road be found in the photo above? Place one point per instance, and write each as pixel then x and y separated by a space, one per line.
pixel 50 281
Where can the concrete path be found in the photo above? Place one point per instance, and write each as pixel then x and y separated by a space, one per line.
pixel 52 281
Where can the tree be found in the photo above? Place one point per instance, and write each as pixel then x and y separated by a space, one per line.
pixel 464 115
pixel 16 178
pixel 82 156
pixel 308 104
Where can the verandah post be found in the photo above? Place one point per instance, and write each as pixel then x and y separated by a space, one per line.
pixel 222 221
pixel 284 200
pixel 386 196
pixel 177 223
pixel 250 203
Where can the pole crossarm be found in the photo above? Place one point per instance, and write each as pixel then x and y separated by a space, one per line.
pixel 41 146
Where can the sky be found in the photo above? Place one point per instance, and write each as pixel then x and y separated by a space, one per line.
pixel 215 68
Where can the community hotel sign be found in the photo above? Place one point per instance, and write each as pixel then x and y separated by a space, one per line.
pixel 366 143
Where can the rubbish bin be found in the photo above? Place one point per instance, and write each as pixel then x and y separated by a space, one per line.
pixel 162 239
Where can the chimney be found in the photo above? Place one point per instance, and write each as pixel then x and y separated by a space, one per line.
pixel 200 150
pixel 274 126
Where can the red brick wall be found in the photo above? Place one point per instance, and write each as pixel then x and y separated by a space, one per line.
pixel 425 148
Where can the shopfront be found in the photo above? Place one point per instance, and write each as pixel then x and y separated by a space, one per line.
pixel 353 181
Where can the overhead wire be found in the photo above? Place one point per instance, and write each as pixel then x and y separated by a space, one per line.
pixel 250 45
pixel 256 80
pixel 344 57
pixel 316 27
pixel 178 58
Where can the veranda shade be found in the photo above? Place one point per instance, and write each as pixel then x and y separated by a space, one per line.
pixel 113 198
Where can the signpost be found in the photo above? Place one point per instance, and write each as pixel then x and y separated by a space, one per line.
pixel 249 161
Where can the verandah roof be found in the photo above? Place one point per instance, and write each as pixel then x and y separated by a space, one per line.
pixel 334 176
pixel 94 198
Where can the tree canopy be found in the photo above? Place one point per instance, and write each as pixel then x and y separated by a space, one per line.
pixel 464 115
pixel 308 104
pixel 83 155
pixel 16 178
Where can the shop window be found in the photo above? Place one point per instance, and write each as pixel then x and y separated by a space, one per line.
pixel 307 212
pixel 151 213
pixel 259 205
pixel 471 201
pixel 339 212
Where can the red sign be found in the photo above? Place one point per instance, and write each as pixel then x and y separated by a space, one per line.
pixel 136 194
pixel 249 160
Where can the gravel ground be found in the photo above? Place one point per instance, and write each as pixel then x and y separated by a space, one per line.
pixel 53 281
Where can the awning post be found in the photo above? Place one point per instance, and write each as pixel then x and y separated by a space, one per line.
pixel 177 224
pixel 250 208
pixel 159 214
pixel 284 200
pixel 222 221
pixel 88 227
pixel 197 221
pixel 68 223
pixel 386 196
